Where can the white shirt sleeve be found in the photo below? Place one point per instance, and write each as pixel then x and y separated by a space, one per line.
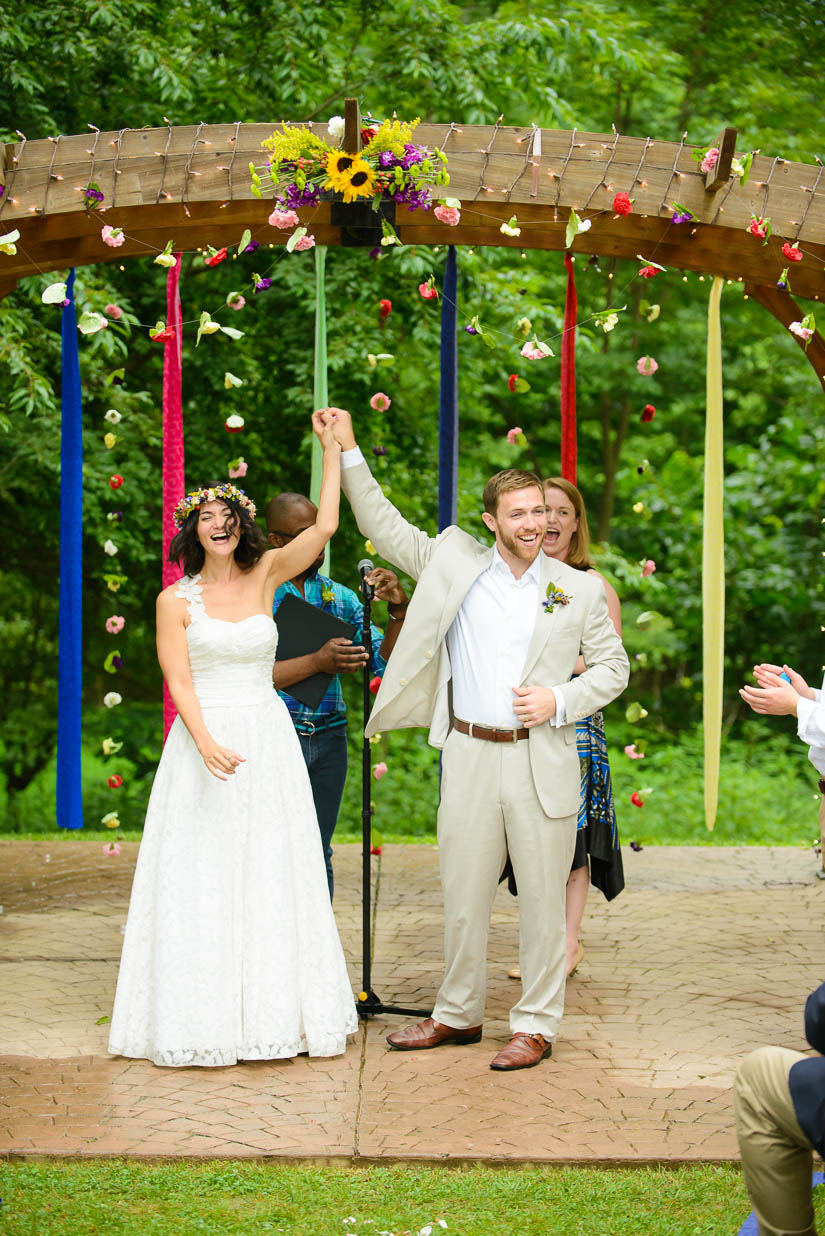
pixel 810 718
pixel 560 716
pixel 350 458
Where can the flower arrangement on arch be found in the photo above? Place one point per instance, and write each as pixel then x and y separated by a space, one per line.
pixel 302 165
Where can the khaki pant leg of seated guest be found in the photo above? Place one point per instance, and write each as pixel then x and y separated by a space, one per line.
pixel 776 1155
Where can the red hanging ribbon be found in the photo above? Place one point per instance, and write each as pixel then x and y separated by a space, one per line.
pixel 173 475
pixel 568 377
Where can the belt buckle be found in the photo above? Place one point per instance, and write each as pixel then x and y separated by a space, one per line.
pixel 513 734
pixel 310 730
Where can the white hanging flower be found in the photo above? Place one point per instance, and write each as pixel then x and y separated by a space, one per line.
pixel 111 699
pixel 112 416
pixel 335 128
pixel 110 548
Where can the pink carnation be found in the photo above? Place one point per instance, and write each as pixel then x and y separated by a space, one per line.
pixel 379 770
pixel 239 469
pixel 115 624
pixel 111 849
pixel 447 214
pixel 647 366
pixel 648 568
pixel 801 332
pixel 513 434
pixel 113 236
pixel 632 753
pixel 306 242
pixel 283 219
pixel 380 402
pixel 114 311
pixel 536 350
pixel 710 159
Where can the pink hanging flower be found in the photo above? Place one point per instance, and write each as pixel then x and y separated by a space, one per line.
pixel 238 467
pixel 215 256
pixel 306 242
pixel 801 332
pixel 113 311
pixel 428 290
pixel 448 215
pixel 514 434
pixel 536 350
pixel 648 272
pixel 710 160
pixel 379 770
pixel 111 849
pixel 632 754
pixel 792 252
pixel 235 301
pixel 646 366
pixel 380 402
pixel 283 219
pixel 648 567
pixel 115 624
pixel 113 236
pixel 760 227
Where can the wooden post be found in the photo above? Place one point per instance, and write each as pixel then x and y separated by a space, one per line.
pixel 352 126
pixel 719 175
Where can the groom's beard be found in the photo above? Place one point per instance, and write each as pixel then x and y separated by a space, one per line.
pixel 527 552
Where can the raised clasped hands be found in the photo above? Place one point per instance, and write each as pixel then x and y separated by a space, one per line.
pixel 772 695
pixel 534 705
pixel 323 424
pixel 386 585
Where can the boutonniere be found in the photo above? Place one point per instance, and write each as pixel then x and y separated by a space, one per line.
pixel 327 595
pixel 555 596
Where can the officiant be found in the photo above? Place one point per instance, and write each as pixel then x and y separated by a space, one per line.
pixel 322 731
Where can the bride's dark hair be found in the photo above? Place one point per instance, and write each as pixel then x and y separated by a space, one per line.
pixel 186 550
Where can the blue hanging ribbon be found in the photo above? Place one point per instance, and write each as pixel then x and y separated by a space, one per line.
pixel 448 402
pixel 70 622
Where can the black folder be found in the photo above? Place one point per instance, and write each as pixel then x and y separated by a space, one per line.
pixel 302 629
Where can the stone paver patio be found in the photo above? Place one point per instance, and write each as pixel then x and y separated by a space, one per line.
pixel 707 954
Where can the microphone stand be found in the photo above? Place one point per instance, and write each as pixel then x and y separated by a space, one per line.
pixel 369 1004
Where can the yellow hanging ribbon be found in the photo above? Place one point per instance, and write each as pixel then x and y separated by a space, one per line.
pixel 713 559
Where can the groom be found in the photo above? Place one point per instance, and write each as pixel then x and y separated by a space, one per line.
pixel 484 660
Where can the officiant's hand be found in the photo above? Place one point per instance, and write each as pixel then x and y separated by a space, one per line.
pixel 534 705
pixel 341 656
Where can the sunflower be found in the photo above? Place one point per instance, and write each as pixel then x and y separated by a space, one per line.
pixel 350 175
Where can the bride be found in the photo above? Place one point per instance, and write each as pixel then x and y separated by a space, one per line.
pixel 231 950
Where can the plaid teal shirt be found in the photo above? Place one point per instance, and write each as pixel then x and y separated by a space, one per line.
pixel 336 599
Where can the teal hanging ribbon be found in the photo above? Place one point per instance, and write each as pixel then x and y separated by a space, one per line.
pixel 70 620
pixel 321 390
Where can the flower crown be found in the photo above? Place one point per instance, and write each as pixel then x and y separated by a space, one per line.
pixel 197 497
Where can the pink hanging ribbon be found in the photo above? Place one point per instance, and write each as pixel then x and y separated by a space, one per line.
pixel 568 377
pixel 173 475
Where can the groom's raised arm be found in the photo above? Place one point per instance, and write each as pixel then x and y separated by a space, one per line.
pixel 393 536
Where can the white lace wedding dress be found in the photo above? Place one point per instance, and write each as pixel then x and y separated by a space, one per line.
pixel 231 950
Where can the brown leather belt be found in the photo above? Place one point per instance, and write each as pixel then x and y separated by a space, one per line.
pixel 489 733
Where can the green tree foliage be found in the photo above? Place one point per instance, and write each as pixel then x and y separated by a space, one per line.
pixel 651 66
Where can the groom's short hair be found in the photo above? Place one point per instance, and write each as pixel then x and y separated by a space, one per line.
pixel 505 482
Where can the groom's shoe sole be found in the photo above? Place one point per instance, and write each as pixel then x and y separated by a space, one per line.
pixel 429 1033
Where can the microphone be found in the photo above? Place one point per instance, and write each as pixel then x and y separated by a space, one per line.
pixel 364 568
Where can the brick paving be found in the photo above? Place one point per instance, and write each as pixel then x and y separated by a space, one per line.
pixel 708 953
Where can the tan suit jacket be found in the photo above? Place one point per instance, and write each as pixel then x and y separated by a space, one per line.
pixel 415 688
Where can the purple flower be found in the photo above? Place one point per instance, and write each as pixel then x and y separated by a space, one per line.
pixel 118 515
pixel 94 195
pixel 682 218
pixel 2 190
pixel 386 159
pixel 117 662
pixel 782 285
pixel 635 847
pixel 379 450
pixel 471 330
pixel 413 197
pixel 376 252
pixel 412 154
pixel 252 246
pixel 262 285
pixel 293 197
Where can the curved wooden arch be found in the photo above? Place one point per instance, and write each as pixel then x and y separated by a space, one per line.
pixel 191 185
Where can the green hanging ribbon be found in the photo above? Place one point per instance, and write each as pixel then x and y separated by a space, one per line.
pixel 321 389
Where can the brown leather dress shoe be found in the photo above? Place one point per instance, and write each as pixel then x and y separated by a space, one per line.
pixel 430 1033
pixel 524 1051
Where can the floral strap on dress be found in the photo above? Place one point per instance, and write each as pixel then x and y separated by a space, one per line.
pixel 190 590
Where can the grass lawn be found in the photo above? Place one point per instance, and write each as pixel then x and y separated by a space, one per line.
pixel 218 1199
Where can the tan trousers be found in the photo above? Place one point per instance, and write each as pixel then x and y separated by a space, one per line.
pixel 489 805
pixel 776 1155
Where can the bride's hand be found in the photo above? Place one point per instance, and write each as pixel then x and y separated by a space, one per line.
pixel 221 761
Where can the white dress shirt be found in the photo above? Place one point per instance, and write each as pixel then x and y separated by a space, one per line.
pixel 810 716
pixel 489 638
